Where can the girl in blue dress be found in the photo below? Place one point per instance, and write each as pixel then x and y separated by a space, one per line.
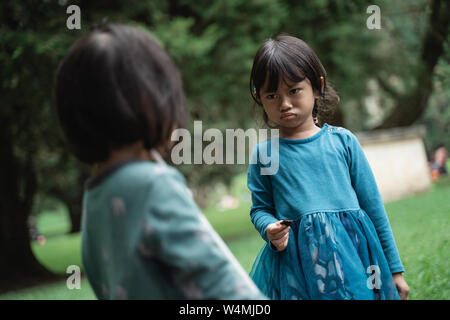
pixel 339 243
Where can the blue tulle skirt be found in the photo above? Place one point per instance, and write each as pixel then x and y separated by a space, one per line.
pixel 330 255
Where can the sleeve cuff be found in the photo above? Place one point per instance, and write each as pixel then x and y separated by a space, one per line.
pixel 397 269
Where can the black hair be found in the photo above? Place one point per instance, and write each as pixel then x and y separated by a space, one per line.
pixel 289 57
pixel 114 87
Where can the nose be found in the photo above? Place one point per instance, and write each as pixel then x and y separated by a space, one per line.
pixel 285 104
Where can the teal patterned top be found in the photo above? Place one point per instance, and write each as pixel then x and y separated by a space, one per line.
pixel 143 237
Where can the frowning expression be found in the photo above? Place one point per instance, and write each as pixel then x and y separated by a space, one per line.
pixel 291 104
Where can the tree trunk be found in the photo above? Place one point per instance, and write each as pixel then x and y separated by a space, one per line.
pixel 410 107
pixel 18 266
pixel 73 198
pixel 74 208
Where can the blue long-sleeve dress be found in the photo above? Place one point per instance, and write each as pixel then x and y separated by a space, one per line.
pixel 340 244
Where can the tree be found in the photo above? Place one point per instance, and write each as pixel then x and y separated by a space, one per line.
pixel 33 40
pixel 21 59
pixel 411 104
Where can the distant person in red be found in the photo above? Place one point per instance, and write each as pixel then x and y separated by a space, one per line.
pixel 439 162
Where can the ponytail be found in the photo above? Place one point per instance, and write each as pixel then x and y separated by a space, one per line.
pixel 325 106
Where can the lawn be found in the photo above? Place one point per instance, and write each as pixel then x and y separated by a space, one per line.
pixel 420 224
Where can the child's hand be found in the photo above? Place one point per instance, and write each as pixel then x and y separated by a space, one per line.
pixel 402 286
pixel 278 234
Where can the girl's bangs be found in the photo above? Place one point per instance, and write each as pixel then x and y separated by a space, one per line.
pixel 279 67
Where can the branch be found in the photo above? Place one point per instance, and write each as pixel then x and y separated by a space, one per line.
pixel 411 105
pixel 396 95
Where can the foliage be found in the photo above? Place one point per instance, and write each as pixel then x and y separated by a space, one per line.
pixel 213 44
pixel 437 116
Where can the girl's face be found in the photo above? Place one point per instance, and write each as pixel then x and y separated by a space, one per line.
pixel 292 103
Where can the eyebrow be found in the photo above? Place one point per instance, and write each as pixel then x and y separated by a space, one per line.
pixel 289 86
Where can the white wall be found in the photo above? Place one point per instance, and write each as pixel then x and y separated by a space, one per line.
pixel 399 164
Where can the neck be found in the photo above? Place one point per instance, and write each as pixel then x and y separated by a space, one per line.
pixel 132 151
pixel 302 131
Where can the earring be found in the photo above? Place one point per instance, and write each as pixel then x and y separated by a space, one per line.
pixel 314 114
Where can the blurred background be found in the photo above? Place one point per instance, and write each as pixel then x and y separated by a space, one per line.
pixel 390 80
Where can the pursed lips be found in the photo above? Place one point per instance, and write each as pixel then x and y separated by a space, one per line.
pixel 287 115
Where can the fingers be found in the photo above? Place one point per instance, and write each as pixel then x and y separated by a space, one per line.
pixel 402 286
pixel 404 293
pixel 277 226
pixel 281 244
pixel 278 235
pixel 277 230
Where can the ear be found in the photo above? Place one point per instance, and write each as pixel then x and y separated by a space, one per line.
pixel 256 95
pixel 316 94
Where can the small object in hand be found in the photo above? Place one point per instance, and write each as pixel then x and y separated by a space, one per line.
pixel 286 222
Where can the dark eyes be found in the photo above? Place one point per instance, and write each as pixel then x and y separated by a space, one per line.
pixel 292 91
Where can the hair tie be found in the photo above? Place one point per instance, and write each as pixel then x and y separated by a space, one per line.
pixel 322 85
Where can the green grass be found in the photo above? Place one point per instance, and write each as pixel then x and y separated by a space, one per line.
pixel 59 252
pixel 420 224
pixel 232 223
pixel 245 249
pixel 54 291
pixel 56 222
